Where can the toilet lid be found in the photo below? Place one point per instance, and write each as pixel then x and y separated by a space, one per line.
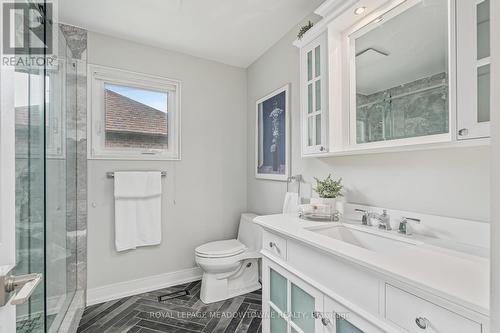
pixel 225 248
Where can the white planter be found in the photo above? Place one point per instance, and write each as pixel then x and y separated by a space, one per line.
pixel 325 201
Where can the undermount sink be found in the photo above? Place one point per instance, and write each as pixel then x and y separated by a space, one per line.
pixel 373 240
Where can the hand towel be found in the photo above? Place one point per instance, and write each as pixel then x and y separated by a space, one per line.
pixel 137 209
pixel 291 203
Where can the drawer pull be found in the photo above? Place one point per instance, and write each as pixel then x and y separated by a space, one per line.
pixel 423 323
pixel 273 244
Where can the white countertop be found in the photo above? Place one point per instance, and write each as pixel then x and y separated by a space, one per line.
pixel 455 276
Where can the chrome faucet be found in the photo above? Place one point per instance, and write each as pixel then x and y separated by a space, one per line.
pixel 404 226
pixel 384 221
pixel 365 219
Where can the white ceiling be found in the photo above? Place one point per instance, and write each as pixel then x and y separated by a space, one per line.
pixel 234 32
pixel 415 50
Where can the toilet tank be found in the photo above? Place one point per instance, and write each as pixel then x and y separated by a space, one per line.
pixel 249 233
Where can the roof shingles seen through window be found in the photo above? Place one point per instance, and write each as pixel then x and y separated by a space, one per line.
pixel 128 116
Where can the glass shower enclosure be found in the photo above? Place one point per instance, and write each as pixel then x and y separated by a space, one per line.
pixel 46 188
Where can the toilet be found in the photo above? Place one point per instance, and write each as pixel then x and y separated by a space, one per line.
pixel 231 267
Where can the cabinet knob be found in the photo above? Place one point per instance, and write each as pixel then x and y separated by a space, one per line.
pixel 463 132
pixel 422 322
pixel 325 321
pixel 322 148
pixel 316 314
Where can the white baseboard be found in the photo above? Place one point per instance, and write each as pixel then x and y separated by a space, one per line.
pixel 133 287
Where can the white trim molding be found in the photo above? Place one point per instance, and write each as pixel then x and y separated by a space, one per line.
pixel 133 287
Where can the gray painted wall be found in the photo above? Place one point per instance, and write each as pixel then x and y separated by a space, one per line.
pixel 451 182
pixel 204 193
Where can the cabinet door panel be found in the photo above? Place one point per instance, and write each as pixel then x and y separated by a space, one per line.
pixel 306 305
pixel 303 308
pixel 344 320
pixel 473 69
pixel 278 290
pixel 314 96
pixel 278 324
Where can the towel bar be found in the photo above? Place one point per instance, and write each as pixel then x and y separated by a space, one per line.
pixel 112 174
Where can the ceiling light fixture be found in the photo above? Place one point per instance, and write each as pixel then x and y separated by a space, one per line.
pixel 359 10
pixel 379 19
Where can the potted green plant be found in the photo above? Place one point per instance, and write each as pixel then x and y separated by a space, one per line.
pixel 328 190
pixel 304 29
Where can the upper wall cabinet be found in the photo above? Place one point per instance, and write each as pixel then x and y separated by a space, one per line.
pixel 314 95
pixel 399 83
pixel 473 75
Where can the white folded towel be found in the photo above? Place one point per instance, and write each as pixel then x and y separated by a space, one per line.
pixel 291 203
pixel 137 209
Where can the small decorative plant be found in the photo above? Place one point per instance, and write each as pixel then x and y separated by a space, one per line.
pixel 304 29
pixel 328 188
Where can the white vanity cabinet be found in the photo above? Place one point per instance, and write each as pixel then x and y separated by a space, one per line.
pixel 307 290
pixel 291 303
pixel 473 69
pixel 314 95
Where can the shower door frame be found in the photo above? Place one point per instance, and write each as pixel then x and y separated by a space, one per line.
pixel 7 187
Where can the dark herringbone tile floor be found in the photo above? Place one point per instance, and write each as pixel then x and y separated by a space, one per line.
pixel 144 314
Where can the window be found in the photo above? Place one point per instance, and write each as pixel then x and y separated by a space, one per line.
pixel 134 116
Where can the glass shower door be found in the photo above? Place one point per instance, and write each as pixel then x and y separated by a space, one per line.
pixel 60 183
pixel 30 191
pixel 46 182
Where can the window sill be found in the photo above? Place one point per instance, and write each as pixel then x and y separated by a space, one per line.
pixel 134 157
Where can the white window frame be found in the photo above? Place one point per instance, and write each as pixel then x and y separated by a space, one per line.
pixel 101 75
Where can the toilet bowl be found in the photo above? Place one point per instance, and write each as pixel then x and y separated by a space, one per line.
pixel 231 267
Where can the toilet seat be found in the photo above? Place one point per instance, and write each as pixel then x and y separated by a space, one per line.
pixel 220 249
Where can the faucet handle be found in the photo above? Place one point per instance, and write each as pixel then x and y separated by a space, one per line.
pixel 365 220
pixel 404 226
pixel 411 219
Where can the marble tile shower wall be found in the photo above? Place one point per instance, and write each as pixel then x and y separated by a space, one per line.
pixel 76 228
pixel 409 110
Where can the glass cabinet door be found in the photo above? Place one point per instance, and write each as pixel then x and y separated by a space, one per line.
pixel 483 60
pixel 314 109
pixel 289 304
pixel 340 319
pixel 473 76
pixel 278 290
pixel 302 309
pixel 278 323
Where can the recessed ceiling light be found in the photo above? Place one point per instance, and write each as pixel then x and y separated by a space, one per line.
pixel 378 19
pixel 359 10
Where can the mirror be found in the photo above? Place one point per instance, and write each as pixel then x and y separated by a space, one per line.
pixel 401 73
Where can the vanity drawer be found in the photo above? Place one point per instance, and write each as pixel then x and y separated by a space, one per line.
pixel 415 314
pixel 274 245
